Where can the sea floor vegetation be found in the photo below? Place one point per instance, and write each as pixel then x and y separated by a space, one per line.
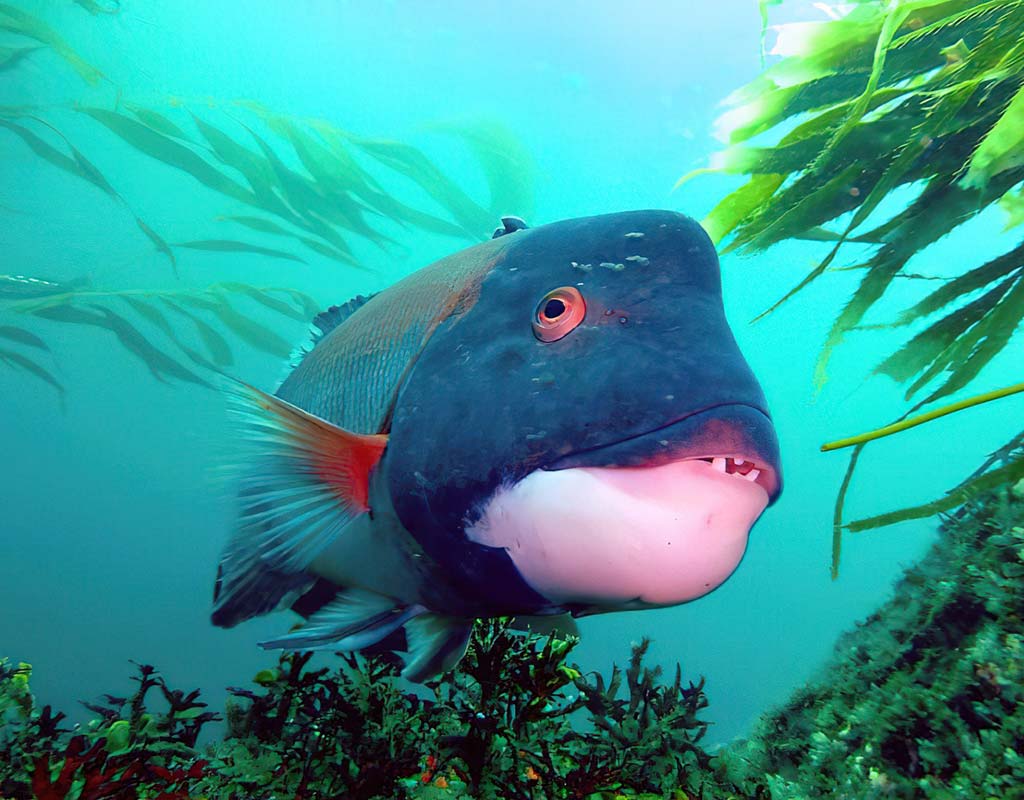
pixel 922 699
pixel 500 726
pixel 925 698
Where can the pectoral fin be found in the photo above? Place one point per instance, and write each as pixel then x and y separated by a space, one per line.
pixel 303 480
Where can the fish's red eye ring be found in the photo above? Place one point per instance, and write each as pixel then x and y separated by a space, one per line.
pixel 558 313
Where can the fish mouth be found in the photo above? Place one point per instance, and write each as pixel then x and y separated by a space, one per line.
pixel 609 538
pixel 654 519
pixel 736 440
pixel 744 468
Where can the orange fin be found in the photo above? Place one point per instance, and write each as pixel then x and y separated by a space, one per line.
pixel 302 481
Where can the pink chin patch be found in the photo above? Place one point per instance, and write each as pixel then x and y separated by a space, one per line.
pixel 624 537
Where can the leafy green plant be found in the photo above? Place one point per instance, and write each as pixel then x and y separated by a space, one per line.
pixel 922 94
pixel 297 190
pixel 127 751
pixel 500 727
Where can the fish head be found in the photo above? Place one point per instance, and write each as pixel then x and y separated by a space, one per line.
pixel 586 434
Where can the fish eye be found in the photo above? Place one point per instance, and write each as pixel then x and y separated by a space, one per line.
pixel 554 308
pixel 558 313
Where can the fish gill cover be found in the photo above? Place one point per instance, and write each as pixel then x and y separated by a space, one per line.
pixel 925 95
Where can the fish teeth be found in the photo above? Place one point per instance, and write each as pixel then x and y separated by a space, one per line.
pixel 730 466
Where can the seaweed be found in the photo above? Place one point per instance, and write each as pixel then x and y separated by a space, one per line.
pixel 300 190
pixel 125 753
pixel 926 96
pixel 140 321
pixel 924 698
pixel 501 727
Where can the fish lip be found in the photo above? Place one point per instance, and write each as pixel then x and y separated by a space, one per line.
pixel 767 461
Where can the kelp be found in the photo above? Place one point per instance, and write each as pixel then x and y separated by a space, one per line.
pixel 25 287
pixel 935 413
pixel 21 348
pixel 507 164
pixel 10 56
pixel 309 180
pixel 21 23
pixel 144 321
pixel 231 246
pixel 20 361
pixel 924 96
pixel 95 7
pixel 320 204
pixel 300 190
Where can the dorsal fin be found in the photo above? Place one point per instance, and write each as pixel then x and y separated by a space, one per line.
pixel 327 321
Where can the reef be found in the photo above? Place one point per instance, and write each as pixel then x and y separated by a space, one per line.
pixel 922 699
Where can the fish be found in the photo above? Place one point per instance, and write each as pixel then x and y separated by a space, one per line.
pixel 556 421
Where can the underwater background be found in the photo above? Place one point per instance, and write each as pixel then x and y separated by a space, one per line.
pixel 115 505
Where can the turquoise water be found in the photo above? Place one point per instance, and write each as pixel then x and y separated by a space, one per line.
pixel 115 508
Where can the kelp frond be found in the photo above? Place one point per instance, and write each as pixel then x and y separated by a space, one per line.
pixel 903 425
pixel 179 335
pixel 17 21
pixel 926 96
pixel 305 191
pixel 306 182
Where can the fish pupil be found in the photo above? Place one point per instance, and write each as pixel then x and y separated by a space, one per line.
pixel 554 308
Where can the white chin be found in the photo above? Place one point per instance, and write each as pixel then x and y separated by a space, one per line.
pixel 624 537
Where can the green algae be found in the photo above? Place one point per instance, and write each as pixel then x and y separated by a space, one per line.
pixel 499 727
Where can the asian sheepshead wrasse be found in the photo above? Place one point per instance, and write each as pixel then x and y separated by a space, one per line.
pixel 557 420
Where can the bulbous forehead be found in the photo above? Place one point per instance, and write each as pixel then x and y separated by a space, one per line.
pixel 630 254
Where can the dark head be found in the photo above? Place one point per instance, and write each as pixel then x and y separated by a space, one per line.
pixel 587 434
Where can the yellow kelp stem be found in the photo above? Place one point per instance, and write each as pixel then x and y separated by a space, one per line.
pixel 896 427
